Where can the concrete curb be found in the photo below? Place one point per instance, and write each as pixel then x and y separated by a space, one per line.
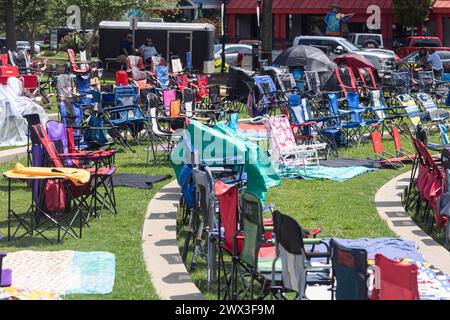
pixel 388 201
pixel 160 249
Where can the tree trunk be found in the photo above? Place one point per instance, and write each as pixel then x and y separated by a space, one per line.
pixel 266 30
pixel 10 25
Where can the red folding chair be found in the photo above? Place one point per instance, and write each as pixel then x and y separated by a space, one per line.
pixel 79 68
pixel 121 79
pixel 347 80
pixel 383 156
pixel 397 280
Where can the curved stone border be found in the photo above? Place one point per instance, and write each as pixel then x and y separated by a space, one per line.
pixel 161 254
pixel 388 201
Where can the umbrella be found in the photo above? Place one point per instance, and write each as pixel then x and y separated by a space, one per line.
pixel 311 58
pixel 354 61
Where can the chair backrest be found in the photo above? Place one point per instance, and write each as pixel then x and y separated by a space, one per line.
pixel 289 239
pixel 266 87
pixel 333 105
pixel 214 95
pixel 135 63
pixel 121 78
pixel 176 64
pixel 286 82
pixel 83 83
pixel 57 132
pixel 444 137
pixel 281 133
pixel 426 101
pixel 297 73
pixel 350 270
pixel 229 214
pixel 313 82
pixel 126 96
pixel 411 108
pixel 353 105
pixel 72 56
pixel 168 97
pixel 426 80
pixel 182 82
pixel 188 101
pixel 346 79
pixel 296 108
pixel 65 86
pixel 162 77
pixel 397 139
pixel 377 142
pixel 401 82
pixel 378 101
pixel 30 81
pixel 48 145
pixel 368 78
pixel 175 108
pixel 252 218
pixel 398 281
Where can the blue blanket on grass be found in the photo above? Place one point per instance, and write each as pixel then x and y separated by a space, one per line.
pixel 328 173
pixel 92 273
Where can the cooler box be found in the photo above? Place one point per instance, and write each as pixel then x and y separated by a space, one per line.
pixel 9 71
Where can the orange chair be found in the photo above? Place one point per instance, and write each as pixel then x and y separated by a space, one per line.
pixel 384 157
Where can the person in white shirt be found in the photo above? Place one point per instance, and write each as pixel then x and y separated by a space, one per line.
pixel 436 64
pixel 148 51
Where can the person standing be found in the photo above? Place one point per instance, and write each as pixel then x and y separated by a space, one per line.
pixel 436 64
pixel 148 51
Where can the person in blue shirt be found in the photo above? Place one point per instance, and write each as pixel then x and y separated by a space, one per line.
pixel 334 20
pixel 436 64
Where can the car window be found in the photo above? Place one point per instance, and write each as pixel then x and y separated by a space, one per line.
pixel 433 43
pixel 362 39
pixel 329 43
pixel 445 55
pixel 310 42
pixel 232 50
pixel 246 50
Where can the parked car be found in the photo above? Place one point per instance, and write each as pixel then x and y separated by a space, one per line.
pixel 231 52
pixel 412 58
pixel 366 40
pixel 416 43
pixel 25 45
pixel 383 60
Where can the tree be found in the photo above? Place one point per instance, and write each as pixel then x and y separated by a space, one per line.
pixel 10 24
pixel 411 13
pixel 266 30
pixel 30 14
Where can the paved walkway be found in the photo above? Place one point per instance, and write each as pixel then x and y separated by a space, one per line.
pixel 388 201
pixel 161 254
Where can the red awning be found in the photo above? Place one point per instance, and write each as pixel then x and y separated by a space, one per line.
pixel 308 6
pixel 441 6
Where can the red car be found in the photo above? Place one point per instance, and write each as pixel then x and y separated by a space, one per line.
pixel 416 43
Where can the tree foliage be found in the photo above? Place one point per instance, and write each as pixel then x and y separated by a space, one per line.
pixel 411 12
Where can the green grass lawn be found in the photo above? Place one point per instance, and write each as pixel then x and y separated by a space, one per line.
pixel 120 235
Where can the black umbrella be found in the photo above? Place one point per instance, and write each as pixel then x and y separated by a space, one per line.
pixel 311 58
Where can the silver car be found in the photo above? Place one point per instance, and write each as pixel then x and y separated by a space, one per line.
pixel 232 51
pixel 383 60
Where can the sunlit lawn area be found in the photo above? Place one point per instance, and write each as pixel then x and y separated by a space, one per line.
pixel 120 235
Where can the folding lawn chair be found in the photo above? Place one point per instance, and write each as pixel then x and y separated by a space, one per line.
pixel 101 177
pixel 353 127
pixel 395 280
pixel 430 106
pixel 265 96
pixel 412 110
pixel 162 78
pixel 384 157
pixel 304 130
pixel 78 67
pixel 200 87
pixel 295 260
pixel 298 74
pixel 367 79
pixel 286 84
pixel 370 121
pixel 284 149
pixel 136 72
pixel 159 137
pixel 425 81
pixel 349 272
pixel 347 80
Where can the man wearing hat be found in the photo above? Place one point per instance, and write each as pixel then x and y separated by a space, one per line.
pixel 334 19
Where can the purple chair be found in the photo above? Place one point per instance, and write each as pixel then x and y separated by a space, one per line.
pixel 5 274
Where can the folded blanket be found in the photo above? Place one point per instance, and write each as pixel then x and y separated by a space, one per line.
pixel 313 173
